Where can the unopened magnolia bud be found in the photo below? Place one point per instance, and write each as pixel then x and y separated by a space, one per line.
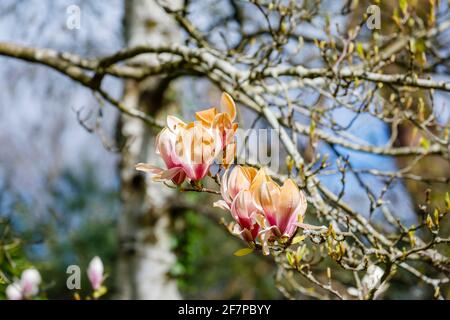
pixel 95 273
pixel 29 282
pixel 13 292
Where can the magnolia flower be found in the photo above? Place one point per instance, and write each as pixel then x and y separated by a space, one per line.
pixel 283 207
pixel 197 147
pixel 14 292
pixel 27 287
pixel 238 200
pixel 165 147
pixel 95 273
pixel 234 181
pixel 189 149
pixel 223 121
pixel 30 281
pixel 244 211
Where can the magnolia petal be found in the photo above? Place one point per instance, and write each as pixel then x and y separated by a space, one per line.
pixel 246 233
pixel 237 181
pixel 229 133
pixel 29 282
pixel 174 123
pixel 146 167
pixel 242 233
pixel 179 178
pixel 290 197
pixel 224 187
pixel 206 116
pixel 290 201
pixel 222 121
pixel 165 147
pixel 243 211
pixel 297 216
pixel 268 198
pixel 95 273
pixel 221 204
pixel 170 174
pixel 264 236
pixel 196 172
pixel 229 155
pixel 237 230
pixel 14 292
pixel 259 178
pixel 183 145
pixel 250 172
pixel 218 144
pixel 227 103
pixel 240 208
pixel 261 220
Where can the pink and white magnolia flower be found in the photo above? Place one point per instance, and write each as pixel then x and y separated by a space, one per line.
pixel 237 198
pixel 189 149
pixel 27 287
pixel 165 147
pixel 197 147
pixel 260 206
pixel 283 207
pixel 233 181
pixel 244 211
pixel 14 292
pixel 95 273
pixel 221 120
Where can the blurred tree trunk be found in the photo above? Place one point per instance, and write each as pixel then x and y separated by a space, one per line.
pixel 145 256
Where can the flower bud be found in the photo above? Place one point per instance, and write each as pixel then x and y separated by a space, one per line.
pixel 95 273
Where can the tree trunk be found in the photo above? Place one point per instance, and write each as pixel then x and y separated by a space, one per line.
pixel 145 256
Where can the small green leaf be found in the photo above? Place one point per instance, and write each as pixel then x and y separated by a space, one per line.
pixel 243 252
pixel 425 143
pixel 412 45
pixel 429 222
pixel 412 239
pixel 436 216
pixel 403 4
pixel 360 50
pixel 298 239
pixel 100 292
pixel 420 45
pixel 312 128
pixel 290 258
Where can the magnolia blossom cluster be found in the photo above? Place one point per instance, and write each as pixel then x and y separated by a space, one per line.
pixel 26 287
pixel 189 149
pixel 264 210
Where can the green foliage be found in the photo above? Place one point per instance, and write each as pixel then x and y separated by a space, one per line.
pixel 80 224
pixel 207 267
pixel 12 257
pixel 243 252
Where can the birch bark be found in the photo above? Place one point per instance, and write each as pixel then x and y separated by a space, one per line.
pixel 145 256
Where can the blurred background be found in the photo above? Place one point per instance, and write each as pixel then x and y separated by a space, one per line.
pixel 59 183
pixel 60 180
